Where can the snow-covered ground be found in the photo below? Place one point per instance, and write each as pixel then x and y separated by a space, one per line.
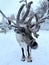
pixel 10 51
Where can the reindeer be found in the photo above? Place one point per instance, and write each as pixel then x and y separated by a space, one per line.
pixel 23 34
pixel 23 30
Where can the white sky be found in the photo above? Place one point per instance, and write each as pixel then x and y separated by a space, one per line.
pixel 11 6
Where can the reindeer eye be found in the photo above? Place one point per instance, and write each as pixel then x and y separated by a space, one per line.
pixel 23 30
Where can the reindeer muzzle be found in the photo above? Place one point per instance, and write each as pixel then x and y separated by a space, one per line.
pixel 34 45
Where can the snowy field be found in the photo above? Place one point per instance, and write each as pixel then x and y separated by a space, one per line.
pixel 10 51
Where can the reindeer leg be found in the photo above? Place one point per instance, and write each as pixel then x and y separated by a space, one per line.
pixel 29 57
pixel 23 55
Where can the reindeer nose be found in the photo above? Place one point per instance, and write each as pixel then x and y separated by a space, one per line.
pixel 34 45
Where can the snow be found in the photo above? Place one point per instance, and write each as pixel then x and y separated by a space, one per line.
pixel 10 51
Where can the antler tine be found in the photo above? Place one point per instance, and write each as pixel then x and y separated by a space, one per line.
pixel 36 21
pixel 24 1
pixel 18 15
pixel 29 21
pixel 37 25
pixel 36 17
pixel 27 12
pixel 3 14
pixel 7 17
pixel 40 21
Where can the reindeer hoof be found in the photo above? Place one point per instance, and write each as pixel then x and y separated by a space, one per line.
pixel 29 59
pixel 23 59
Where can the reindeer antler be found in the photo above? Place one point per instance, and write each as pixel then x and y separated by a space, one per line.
pixel 40 21
pixel 24 1
pixel 18 15
pixel 3 14
pixel 7 17
pixel 26 14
